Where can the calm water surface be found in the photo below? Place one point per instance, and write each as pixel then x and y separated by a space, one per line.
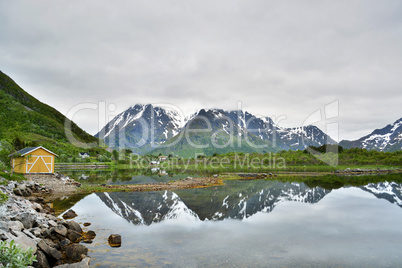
pixel 248 224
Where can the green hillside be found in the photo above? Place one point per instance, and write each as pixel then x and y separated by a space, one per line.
pixel 25 121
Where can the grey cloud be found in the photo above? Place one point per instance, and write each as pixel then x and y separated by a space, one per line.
pixel 277 57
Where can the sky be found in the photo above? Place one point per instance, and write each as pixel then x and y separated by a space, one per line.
pixel 285 59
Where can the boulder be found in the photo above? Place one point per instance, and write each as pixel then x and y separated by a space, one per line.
pixel 76 252
pixel 4 225
pixel 86 224
pixel 52 223
pixel 114 240
pixel 36 231
pixel 90 234
pixel 45 232
pixel 69 214
pixel 72 225
pixel 23 240
pixel 17 192
pixel 87 237
pixel 60 229
pixel 82 264
pixel 26 219
pixel 49 251
pixel 15 226
pixel 29 234
pixel 3 235
pixel 74 236
pixel 41 260
pixel 64 243
pixel 37 207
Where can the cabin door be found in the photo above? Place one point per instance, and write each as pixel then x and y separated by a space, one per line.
pixel 40 164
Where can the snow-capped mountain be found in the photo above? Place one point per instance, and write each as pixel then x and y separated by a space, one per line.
pixel 148 207
pixel 390 191
pixel 297 138
pixel 143 128
pixel 387 139
pixel 145 208
pixel 213 131
pixel 140 127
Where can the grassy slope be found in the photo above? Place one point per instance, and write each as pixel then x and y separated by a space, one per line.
pixel 23 116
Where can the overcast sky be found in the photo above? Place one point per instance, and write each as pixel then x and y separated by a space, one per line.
pixel 284 59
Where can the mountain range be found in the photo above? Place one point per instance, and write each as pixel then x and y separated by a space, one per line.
pixel 387 139
pixel 149 129
pixel 145 128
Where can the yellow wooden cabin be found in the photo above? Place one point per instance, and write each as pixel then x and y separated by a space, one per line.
pixel 33 160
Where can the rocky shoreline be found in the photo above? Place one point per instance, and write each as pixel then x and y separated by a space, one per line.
pixel 55 241
pixel 26 219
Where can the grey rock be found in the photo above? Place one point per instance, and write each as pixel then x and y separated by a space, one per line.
pixel 23 240
pixel 15 225
pixel 11 185
pixel 37 207
pixel 45 232
pixel 51 217
pixel 29 234
pixel 82 264
pixel 49 251
pixel 6 236
pixel 3 235
pixel 52 223
pixel 17 191
pixel 26 218
pixel 41 260
pixel 64 243
pixel 36 231
pixel 72 225
pixel 74 236
pixel 4 225
pixel 60 229
pixel 76 252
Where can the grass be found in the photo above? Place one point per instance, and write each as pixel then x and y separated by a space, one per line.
pixel 88 189
pixel 3 198
pixel 14 177
pixel 327 181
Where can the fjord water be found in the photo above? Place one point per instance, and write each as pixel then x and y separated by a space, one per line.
pixel 248 224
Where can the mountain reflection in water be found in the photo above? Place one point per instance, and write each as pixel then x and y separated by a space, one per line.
pixel 208 204
pixel 248 224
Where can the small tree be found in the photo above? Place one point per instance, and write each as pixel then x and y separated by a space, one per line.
pixel 115 154
pixel 12 255
pixel 19 163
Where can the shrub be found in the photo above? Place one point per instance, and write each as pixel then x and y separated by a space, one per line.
pixel 12 255
pixel 3 198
